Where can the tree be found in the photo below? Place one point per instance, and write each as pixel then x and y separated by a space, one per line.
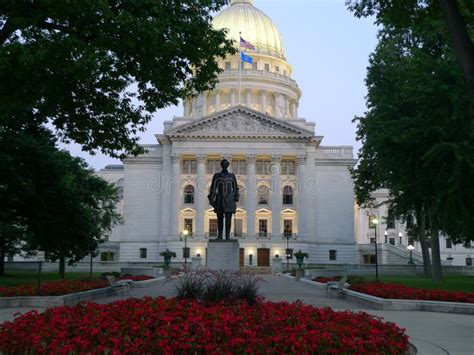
pixel 72 209
pixel 415 135
pixel 411 15
pixel 97 70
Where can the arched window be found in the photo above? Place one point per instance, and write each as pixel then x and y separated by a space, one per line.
pixel 287 195
pixel 263 195
pixel 372 219
pixel 189 194
pixel 390 221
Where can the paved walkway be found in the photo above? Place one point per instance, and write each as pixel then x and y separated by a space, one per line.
pixel 431 333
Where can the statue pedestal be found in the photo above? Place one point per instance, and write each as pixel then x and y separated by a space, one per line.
pixel 223 254
pixel 277 264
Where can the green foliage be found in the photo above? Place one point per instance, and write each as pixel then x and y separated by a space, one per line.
pixel 300 255
pixel 216 286
pixel 355 279
pixel 97 70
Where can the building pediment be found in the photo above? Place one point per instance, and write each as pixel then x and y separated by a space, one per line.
pixel 242 123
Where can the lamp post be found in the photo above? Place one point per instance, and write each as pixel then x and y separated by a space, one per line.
pixel 375 221
pixel 185 250
pixel 386 236
pixel 288 253
pixel 400 236
pixel 410 249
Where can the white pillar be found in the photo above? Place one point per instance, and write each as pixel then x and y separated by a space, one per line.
pixel 293 109
pixel 165 189
pixel 251 194
pixel 218 101
pixel 287 106
pixel 174 198
pixel 194 107
pixel 302 209
pixel 275 105
pixel 248 100
pixel 276 195
pixel 200 193
pixel 263 101
pixel 232 98
pixel 204 104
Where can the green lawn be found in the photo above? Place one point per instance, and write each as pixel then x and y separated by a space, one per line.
pixel 15 278
pixel 451 283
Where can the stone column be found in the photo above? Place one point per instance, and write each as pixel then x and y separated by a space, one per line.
pixel 194 106
pixel 293 109
pixel 233 98
pixel 275 105
pixel 302 209
pixel 204 103
pixel 276 195
pixel 200 193
pixel 287 106
pixel 248 100
pixel 263 101
pixel 218 101
pixel 251 191
pixel 165 192
pixel 174 198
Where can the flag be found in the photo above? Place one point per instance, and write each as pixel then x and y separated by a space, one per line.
pixel 246 58
pixel 245 44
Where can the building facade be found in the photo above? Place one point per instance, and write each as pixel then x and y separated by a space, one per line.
pixel 294 190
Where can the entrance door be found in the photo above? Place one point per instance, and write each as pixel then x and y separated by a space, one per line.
pixel 242 256
pixel 263 257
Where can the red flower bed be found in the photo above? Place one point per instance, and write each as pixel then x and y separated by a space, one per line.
pixel 397 291
pixel 169 326
pixel 136 278
pixel 52 288
pixel 325 280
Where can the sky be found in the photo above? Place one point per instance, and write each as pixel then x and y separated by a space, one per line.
pixel 328 49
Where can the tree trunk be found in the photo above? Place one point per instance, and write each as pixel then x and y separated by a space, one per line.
pixel 435 252
pixel 62 267
pixel 2 256
pixel 420 221
pixel 462 46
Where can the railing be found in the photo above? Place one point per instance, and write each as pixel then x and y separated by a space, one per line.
pixel 232 73
pixel 150 147
pixel 335 152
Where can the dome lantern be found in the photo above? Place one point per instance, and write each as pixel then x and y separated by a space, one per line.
pixel 241 2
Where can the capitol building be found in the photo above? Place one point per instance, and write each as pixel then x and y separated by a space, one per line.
pixel 294 190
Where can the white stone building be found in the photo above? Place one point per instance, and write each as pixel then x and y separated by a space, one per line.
pixel 291 185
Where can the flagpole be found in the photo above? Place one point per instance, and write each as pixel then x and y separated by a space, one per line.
pixel 240 65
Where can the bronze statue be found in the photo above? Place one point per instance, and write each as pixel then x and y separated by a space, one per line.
pixel 223 197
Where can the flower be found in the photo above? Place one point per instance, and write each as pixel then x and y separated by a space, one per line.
pixel 324 280
pixel 52 288
pixel 136 278
pixel 397 291
pixel 168 326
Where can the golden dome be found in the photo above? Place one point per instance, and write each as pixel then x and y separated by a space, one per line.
pixel 255 27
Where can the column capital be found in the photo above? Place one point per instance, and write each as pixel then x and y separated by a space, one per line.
pixel 301 159
pixel 175 158
pixel 276 158
pixel 251 158
pixel 201 158
pixel 228 157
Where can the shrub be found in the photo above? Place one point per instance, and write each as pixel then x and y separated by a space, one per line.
pixel 219 286
pixel 111 273
pixel 354 279
pixel 52 288
pixel 170 326
pixel 325 280
pixel 246 288
pixel 189 285
pixel 136 278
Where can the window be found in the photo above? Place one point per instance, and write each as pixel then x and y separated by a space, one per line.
pixel 391 241
pixel 277 68
pixel 239 167
pixel 189 194
pixel 267 67
pixel 287 195
pixel 372 240
pixel 213 227
pixel 287 228
pixel 189 166
pixel 262 227
pixel 263 195
pixel 288 168
pixel 238 227
pixel 227 66
pixel 468 261
pixel 106 256
pixel 390 221
pixel 372 217
pixel 254 66
pixel 449 244
pixel 143 253
pixel 263 167
pixel 213 166
pixel 188 225
pixel 332 254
